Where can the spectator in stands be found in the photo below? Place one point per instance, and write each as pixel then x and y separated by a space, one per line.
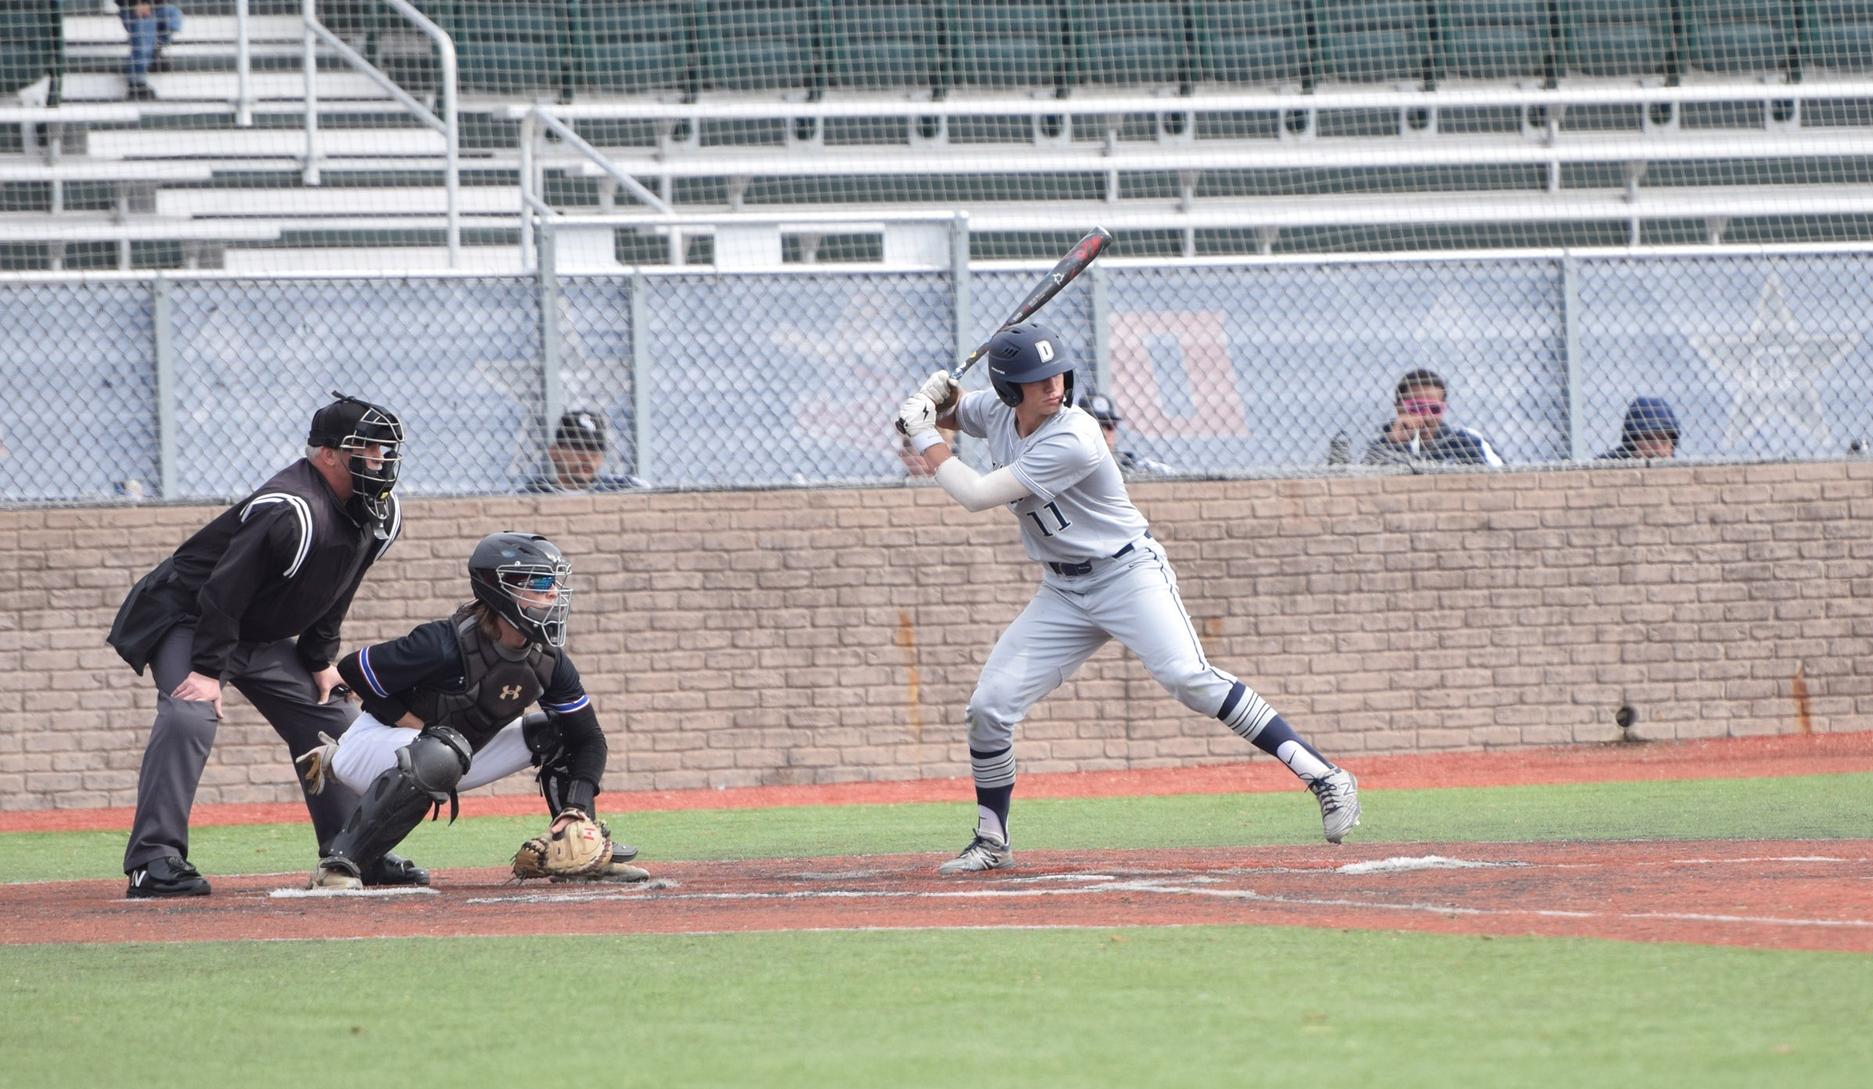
pixel 576 454
pixel 1106 411
pixel 151 27
pixel 1418 433
pixel 1650 430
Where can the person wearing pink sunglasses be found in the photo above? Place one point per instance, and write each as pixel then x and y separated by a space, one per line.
pixel 1419 433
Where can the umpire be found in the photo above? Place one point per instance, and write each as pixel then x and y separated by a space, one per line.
pixel 255 598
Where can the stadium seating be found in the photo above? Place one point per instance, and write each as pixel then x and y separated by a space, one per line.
pixel 1128 41
pixel 1372 41
pixel 1837 35
pixel 1250 41
pixel 868 44
pixel 1495 39
pixel 1617 37
pixel 758 45
pixel 1007 43
pixel 513 48
pixel 1737 35
pixel 632 46
pixel 31 43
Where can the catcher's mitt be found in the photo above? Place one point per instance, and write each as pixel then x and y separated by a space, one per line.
pixel 580 849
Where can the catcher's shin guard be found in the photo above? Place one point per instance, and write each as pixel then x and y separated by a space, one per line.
pixel 426 773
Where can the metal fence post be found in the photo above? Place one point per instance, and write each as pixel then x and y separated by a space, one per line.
pixel 959 287
pixel 1570 351
pixel 640 379
pixel 1102 346
pixel 165 388
pixel 550 395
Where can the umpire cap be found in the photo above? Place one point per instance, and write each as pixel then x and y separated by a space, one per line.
pixel 353 418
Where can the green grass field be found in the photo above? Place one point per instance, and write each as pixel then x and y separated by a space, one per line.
pixel 1136 1007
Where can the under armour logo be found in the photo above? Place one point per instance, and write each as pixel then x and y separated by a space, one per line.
pixel 510 691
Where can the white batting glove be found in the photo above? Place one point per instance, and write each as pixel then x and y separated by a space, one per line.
pixel 942 391
pixel 916 418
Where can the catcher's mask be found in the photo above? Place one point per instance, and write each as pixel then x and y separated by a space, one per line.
pixel 371 437
pixel 523 578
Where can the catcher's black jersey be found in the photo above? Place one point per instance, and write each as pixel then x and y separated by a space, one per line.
pixel 283 562
pixel 431 656
pixel 383 675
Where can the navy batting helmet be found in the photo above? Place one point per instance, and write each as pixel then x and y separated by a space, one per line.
pixel 1027 352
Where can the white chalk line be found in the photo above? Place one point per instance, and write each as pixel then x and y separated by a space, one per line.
pixel 1096 884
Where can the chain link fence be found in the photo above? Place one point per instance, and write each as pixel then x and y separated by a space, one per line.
pixel 198 388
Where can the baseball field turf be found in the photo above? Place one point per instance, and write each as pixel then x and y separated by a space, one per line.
pixel 836 1001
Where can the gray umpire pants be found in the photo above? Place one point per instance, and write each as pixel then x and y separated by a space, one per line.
pixel 280 687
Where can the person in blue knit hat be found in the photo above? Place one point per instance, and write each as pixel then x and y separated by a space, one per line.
pixel 1650 430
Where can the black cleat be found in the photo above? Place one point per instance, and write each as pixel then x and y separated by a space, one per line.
pixel 394 870
pixel 172 876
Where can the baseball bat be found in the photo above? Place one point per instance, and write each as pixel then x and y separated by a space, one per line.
pixel 1083 253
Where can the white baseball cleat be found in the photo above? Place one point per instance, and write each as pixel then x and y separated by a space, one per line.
pixel 1338 794
pixel 983 853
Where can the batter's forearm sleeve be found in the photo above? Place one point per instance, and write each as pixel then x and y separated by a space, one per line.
pixel 977 492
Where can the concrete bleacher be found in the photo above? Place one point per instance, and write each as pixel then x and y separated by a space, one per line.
pixel 1171 116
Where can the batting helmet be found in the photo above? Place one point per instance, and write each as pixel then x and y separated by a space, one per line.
pixel 1027 352
pixel 522 577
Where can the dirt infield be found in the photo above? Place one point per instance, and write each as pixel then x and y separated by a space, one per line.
pixel 1781 895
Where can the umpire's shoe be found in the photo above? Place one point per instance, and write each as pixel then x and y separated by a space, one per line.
pixel 172 876
pixel 393 870
pixel 984 852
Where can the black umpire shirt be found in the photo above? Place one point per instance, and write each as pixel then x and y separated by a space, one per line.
pixel 283 562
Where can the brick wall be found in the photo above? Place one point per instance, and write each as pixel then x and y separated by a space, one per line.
pixel 746 638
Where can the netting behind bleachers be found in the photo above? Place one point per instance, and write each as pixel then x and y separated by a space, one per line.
pixel 1192 128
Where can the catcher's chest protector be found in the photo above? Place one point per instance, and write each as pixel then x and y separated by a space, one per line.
pixel 496 688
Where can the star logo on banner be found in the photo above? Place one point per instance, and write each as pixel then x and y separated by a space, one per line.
pixel 1773 372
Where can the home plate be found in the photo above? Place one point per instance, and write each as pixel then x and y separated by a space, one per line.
pixel 1422 862
pixel 397 890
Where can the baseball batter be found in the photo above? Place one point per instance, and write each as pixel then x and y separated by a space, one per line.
pixel 1102 577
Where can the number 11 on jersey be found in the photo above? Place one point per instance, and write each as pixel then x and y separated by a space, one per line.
pixel 1054 509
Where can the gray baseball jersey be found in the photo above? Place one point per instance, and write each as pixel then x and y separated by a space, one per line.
pixel 1077 509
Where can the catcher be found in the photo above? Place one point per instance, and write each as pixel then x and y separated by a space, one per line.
pixel 443 712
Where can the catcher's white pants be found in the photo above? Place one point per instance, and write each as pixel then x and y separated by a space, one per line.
pixel 369 748
pixel 1133 599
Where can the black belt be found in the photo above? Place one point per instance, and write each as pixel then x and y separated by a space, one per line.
pixel 1085 567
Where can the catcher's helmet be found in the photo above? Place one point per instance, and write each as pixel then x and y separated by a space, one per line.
pixel 1027 352
pixel 522 577
pixel 353 426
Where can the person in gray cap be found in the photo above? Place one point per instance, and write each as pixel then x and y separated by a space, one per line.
pixel 577 453
pixel 255 599
pixel 1105 411
pixel 1650 430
